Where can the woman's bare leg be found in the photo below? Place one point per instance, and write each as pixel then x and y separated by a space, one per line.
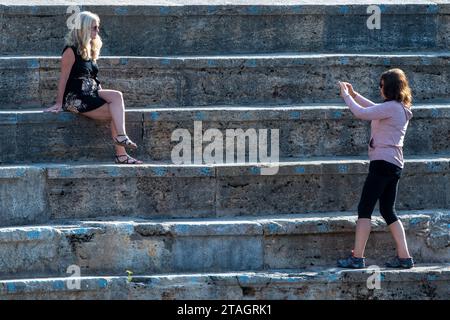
pixel 400 239
pixel 116 108
pixel 363 228
pixel 106 112
pixel 103 113
pixel 119 149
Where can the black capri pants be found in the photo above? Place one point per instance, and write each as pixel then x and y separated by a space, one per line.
pixel 381 184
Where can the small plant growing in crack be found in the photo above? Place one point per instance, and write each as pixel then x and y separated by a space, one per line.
pixel 130 274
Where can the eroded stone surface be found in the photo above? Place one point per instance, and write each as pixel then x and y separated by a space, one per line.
pixel 424 282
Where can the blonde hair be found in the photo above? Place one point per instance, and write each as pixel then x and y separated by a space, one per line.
pixel 80 36
pixel 396 86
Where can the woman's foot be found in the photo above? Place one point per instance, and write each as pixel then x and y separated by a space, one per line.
pixel 123 141
pixel 126 159
pixel 352 262
pixel 406 263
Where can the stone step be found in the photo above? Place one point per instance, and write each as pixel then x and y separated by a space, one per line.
pixel 215 27
pixel 40 192
pixel 277 78
pixel 105 246
pixel 304 131
pixel 428 281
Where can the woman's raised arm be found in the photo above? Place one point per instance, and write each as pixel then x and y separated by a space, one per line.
pixel 361 100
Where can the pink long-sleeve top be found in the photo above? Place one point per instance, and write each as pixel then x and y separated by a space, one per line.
pixel 388 127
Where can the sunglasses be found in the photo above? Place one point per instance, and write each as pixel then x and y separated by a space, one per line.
pixel 96 28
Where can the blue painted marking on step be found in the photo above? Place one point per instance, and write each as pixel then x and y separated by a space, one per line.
pixel 337 114
pixel 193 280
pixel 383 8
pixel 431 277
pixel 102 283
pixel 322 228
pixel 433 167
pixel 254 9
pixel 128 228
pixel 155 280
pixel 33 63
pixel 11 287
pixel 33 235
pixel 387 61
pixel 165 62
pixel 154 115
pixel 333 277
pixel 297 9
pixel 34 9
pixel 255 170
pixel 245 116
pixel 414 221
pixel 66 116
pixel 199 115
pixel 121 10
pixel 435 113
pixel 212 63
pixel 20 172
pixel 343 168
pixel 432 8
pixel 65 172
pixel 123 61
pixel 273 228
pixel 426 61
pixel 212 9
pixel 113 172
pixel 160 171
pixel 58 285
pixel 181 229
pixel 300 170
pixel 80 231
pixel 244 279
pixel 295 115
pixel 164 10
pixel 250 63
pixel 344 9
pixel 205 171
pixel 344 60
pixel 291 279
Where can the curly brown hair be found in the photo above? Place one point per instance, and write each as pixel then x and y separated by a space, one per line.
pixel 395 86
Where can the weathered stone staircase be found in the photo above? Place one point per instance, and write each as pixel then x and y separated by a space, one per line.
pixel 221 231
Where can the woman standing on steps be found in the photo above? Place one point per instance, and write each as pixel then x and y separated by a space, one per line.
pixel 79 90
pixel 388 127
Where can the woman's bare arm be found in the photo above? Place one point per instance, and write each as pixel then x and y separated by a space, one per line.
pixel 67 61
pixel 361 100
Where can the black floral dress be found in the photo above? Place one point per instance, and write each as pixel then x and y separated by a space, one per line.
pixel 81 93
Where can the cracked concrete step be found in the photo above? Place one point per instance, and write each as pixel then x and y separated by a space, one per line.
pixel 39 192
pixel 184 27
pixel 112 247
pixel 249 79
pixel 430 281
pixel 304 131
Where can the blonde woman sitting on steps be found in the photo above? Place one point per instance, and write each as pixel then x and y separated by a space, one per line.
pixel 79 90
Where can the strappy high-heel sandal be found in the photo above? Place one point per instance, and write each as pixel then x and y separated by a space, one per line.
pixel 125 142
pixel 126 159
